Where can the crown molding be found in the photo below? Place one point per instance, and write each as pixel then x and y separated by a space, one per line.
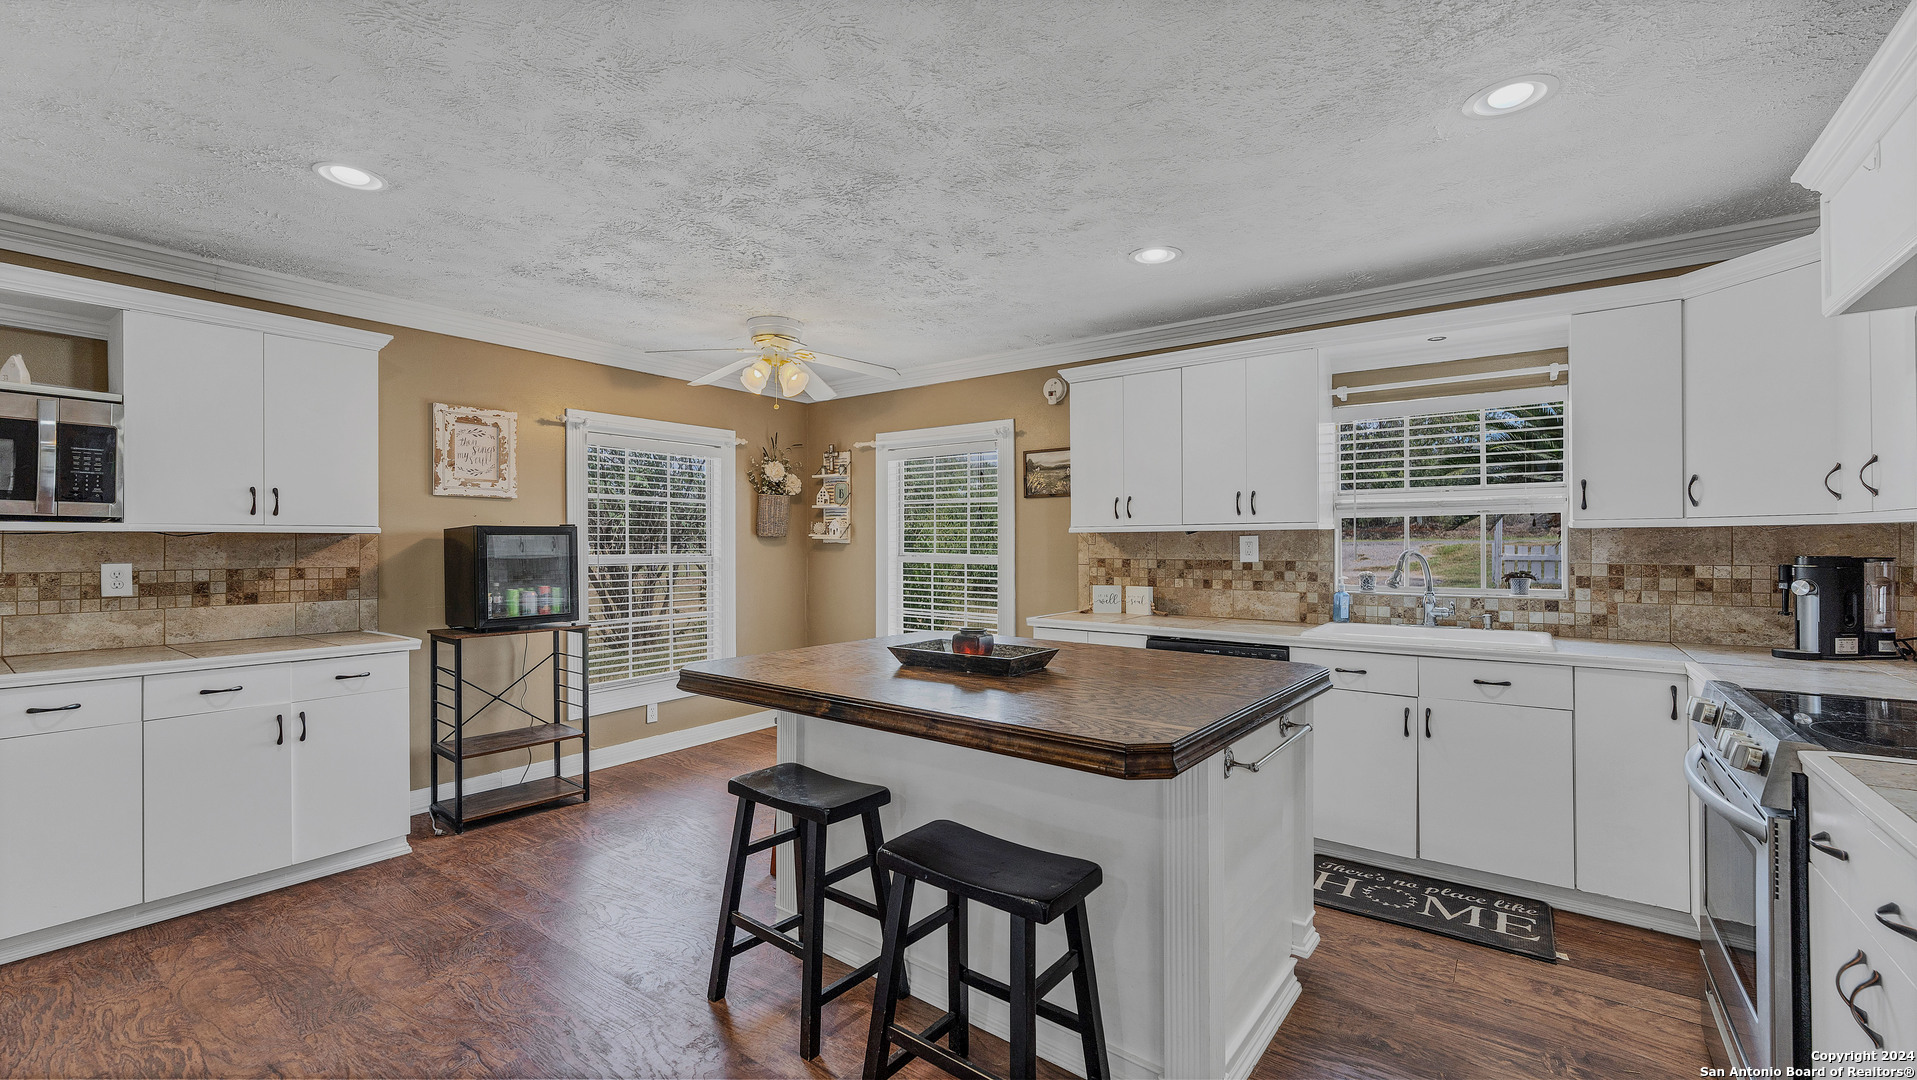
pixel 1887 87
pixel 150 261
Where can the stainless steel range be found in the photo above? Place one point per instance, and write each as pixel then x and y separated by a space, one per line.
pixel 1743 768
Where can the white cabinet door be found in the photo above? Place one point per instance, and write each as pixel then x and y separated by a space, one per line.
pixel 351 777
pixel 1098 447
pixel 1627 414
pixel 322 434
pixel 219 801
pixel 64 857
pixel 1893 409
pixel 1633 807
pixel 1870 224
pixel 1284 396
pixel 1764 404
pixel 194 435
pixel 1365 762
pixel 1494 789
pixel 1153 448
pixel 1839 936
pixel 1214 448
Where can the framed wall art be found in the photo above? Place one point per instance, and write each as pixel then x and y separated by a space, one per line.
pixel 475 452
pixel 1048 473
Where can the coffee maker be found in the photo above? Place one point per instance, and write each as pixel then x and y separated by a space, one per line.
pixel 1845 607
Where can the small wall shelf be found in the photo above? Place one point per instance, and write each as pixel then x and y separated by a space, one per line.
pixel 833 500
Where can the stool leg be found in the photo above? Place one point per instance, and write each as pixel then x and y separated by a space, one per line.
pixel 812 931
pixel 729 901
pixel 874 839
pixel 957 946
pixel 1078 934
pixel 885 996
pixel 1023 980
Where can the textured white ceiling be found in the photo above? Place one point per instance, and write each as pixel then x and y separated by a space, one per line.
pixel 920 182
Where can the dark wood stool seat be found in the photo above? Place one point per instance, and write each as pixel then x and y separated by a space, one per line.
pixel 1033 887
pixel 814 800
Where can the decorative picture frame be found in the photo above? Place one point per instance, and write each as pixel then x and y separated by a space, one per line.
pixel 475 452
pixel 1048 473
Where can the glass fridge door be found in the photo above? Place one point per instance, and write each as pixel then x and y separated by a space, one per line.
pixel 528 575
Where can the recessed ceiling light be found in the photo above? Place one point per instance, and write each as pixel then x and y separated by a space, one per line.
pixel 348 176
pixel 1511 95
pixel 1153 255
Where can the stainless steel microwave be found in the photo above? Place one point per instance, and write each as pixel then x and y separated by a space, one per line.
pixel 60 457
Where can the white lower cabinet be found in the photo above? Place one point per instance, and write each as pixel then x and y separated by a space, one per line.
pixel 1365 753
pixel 350 773
pixel 1845 956
pixel 1494 789
pixel 1633 806
pixel 218 805
pixel 64 858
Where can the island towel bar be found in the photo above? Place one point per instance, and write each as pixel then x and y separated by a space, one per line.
pixel 1296 732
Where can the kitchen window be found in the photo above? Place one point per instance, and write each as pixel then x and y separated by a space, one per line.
pixel 946 529
pixel 653 502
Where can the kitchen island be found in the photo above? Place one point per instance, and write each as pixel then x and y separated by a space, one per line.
pixel 1113 755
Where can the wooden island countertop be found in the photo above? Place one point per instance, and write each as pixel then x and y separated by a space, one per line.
pixel 1136 714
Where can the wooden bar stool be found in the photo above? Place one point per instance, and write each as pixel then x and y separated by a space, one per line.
pixel 815 800
pixel 1030 885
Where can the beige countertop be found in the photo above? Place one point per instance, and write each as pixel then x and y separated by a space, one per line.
pixel 44 668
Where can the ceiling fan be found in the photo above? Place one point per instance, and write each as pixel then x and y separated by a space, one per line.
pixel 778 357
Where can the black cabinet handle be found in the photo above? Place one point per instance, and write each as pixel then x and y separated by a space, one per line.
pixel 57 708
pixel 1407 721
pixel 1690 490
pixel 1128 506
pixel 276 502
pixel 1427 723
pixel 227 690
pixel 366 674
pixel 1834 470
pixel 1254 504
pixel 1584 495
pixel 1900 927
pixel 1673 702
pixel 1114 508
pixel 1821 841
pixel 1241 503
pixel 1860 475
pixel 302 727
pixel 254 494
pixel 281 721
pixel 1850 1000
pixel 1349 670
pixel 1482 682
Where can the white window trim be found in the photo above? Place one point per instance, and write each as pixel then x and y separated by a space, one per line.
pixel 725 444
pixel 893 444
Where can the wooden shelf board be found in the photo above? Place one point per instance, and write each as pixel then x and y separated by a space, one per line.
pixel 505 800
pixel 498 742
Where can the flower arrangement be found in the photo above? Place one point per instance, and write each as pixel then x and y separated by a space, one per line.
pixel 774 473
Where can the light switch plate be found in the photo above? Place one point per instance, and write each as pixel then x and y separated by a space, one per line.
pixel 116 579
pixel 1138 599
pixel 1248 549
pixel 1108 599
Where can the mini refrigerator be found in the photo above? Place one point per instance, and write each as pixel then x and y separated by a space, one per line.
pixel 500 576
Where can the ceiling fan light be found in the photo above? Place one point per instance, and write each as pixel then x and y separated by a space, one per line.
pixel 792 379
pixel 756 375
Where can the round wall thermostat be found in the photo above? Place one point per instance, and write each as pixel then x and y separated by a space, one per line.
pixel 1054 390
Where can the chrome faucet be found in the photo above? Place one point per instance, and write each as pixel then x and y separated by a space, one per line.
pixel 1432 609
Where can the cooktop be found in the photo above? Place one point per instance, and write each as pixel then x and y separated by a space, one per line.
pixel 1855 725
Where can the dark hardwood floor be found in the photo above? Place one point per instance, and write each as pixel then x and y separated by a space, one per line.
pixel 575 942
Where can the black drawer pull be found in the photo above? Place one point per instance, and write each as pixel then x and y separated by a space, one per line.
pixel 1427 723
pixel 1850 1000
pixel 36 710
pixel 1821 841
pixel 1349 670
pixel 1407 722
pixel 281 721
pixel 302 727
pixel 227 690
pixel 1900 927
pixel 361 675
pixel 1673 702
pixel 1482 682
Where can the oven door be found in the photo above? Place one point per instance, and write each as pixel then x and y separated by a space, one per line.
pixel 1745 925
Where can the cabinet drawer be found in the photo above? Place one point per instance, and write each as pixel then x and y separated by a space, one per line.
pixel 1838 936
pixel 1536 685
pixel 1053 633
pixel 348 675
pixel 1374 673
pixel 215 690
pixel 1875 874
pixel 1123 641
pixel 31 710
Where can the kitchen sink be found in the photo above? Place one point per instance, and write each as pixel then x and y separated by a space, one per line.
pixel 1451 636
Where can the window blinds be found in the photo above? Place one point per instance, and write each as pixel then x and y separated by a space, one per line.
pixel 1476 448
pixel 944 539
pixel 651 543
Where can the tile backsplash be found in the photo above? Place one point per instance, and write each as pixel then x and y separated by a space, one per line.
pixel 1707 585
pixel 190 588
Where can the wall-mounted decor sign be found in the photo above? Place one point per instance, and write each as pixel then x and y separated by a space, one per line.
pixel 1048 473
pixel 475 452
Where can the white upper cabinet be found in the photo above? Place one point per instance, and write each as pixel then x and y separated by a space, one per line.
pixel 1285 401
pixel 1098 447
pixel 1214 442
pixel 1865 167
pixel 195 437
pixel 1891 465
pixel 322 434
pixel 1126 431
pixel 1627 414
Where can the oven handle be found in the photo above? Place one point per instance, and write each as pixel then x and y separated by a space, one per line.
pixel 1706 793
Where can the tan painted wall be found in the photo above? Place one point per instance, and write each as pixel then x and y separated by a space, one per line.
pixel 843 577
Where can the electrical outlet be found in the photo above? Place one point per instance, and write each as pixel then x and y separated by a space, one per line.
pixel 1248 549
pixel 116 579
pixel 652 714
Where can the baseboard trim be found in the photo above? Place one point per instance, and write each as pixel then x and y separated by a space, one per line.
pixel 606 757
pixel 114 922
pixel 1280 996
pixel 1628 912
